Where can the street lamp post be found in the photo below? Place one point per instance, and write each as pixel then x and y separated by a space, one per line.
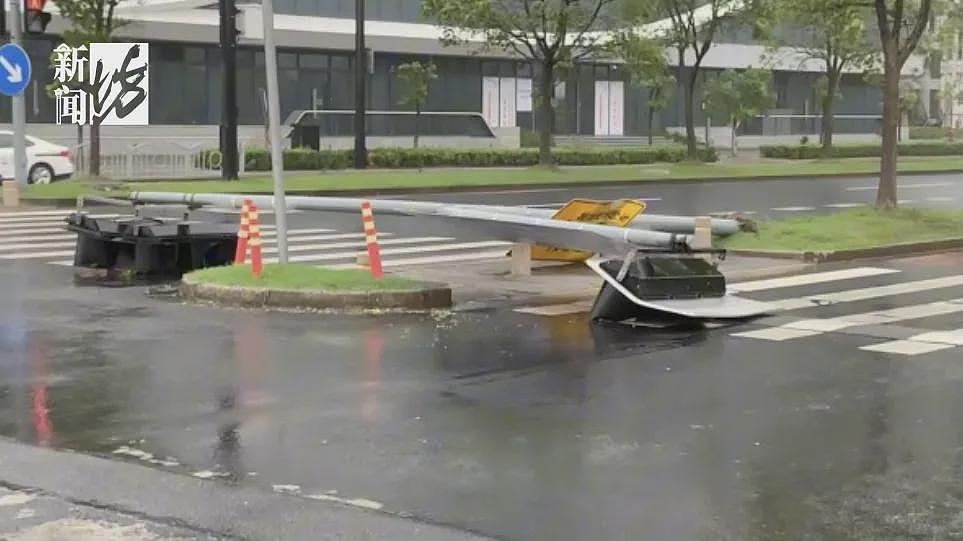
pixel 360 77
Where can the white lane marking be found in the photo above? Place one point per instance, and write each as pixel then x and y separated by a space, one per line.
pixel 62 212
pixel 954 337
pixel 63 263
pixel 853 295
pixel 408 250
pixel 38 255
pixel 845 205
pixel 271 239
pixel 731 212
pixel 808 279
pixel 776 334
pixel 557 309
pixel 543 206
pixel 940 199
pixel 27 246
pixel 793 209
pixel 38 238
pixel 356 502
pixel 47 221
pixel 17 229
pixel 359 244
pixel 879 317
pixel 268 230
pixel 25 230
pixel 905 347
pixel 905 201
pixel 431 260
pixel 902 186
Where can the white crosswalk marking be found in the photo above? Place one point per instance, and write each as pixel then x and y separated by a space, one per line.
pixel 809 279
pixel 853 295
pixel 390 251
pixel 812 327
pixel 432 260
pixel 359 244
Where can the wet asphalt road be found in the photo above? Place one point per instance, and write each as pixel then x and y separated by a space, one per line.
pixel 511 425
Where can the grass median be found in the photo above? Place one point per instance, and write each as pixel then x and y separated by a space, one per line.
pixel 294 276
pixel 851 229
pixel 301 182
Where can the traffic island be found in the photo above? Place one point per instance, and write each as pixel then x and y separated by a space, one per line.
pixel 852 234
pixel 306 287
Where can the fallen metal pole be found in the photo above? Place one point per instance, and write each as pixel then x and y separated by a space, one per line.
pixel 502 222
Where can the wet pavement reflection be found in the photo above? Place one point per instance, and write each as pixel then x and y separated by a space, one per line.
pixel 512 425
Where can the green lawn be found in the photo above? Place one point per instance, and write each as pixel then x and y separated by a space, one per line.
pixel 857 228
pixel 449 177
pixel 295 276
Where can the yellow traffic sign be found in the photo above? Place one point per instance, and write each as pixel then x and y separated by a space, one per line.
pixel 619 213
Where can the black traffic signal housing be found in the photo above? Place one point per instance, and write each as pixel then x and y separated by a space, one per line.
pixel 35 19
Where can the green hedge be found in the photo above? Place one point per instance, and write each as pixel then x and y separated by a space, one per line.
pixel 934 132
pixel 407 158
pixel 805 152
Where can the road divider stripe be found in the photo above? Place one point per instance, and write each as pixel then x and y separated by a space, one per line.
pixel 808 279
pixel 793 209
pixel 28 220
pixel 38 238
pixel 845 205
pixel 38 255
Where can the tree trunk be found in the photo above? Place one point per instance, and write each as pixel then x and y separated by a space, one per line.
pixel 417 122
pixel 690 135
pixel 547 112
pixel 94 150
pixel 886 194
pixel 734 139
pixel 651 114
pixel 829 102
pixel 79 153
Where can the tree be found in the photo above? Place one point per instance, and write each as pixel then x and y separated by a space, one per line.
pixel 416 77
pixel 92 21
pixel 646 67
pixel 691 30
pixel 552 34
pixel 738 96
pixel 835 35
pixel 901 23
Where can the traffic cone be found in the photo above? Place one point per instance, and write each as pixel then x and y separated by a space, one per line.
pixel 371 239
pixel 240 254
pixel 257 265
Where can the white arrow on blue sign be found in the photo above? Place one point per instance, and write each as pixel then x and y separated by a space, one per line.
pixel 14 70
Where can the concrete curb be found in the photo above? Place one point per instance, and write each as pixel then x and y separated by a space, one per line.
pixel 72 203
pixel 906 248
pixel 429 296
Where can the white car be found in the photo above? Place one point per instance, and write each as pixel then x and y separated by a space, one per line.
pixel 46 162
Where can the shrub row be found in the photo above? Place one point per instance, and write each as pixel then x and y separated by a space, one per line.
pixel 403 158
pixel 803 152
pixel 934 132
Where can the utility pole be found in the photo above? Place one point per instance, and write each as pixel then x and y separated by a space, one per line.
pixel 360 77
pixel 19 106
pixel 274 130
pixel 229 33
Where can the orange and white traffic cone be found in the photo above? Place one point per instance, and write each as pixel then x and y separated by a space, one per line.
pixel 371 239
pixel 257 265
pixel 240 254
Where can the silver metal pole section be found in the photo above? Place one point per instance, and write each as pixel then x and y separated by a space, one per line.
pixel 274 130
pixel 503 223
pixel 19 106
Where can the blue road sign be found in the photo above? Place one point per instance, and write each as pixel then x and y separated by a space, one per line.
pixel 14 69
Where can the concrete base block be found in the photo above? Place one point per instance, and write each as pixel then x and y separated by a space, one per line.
pixel 11 194
pixel 702 239
pixel 521 260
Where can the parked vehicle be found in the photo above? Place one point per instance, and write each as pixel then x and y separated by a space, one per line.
pixel 46 162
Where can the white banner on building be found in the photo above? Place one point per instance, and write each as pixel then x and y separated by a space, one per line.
pixel 507 112
pixel 524 95
pixel 616 107
pixel 490 101
pixel 601 107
